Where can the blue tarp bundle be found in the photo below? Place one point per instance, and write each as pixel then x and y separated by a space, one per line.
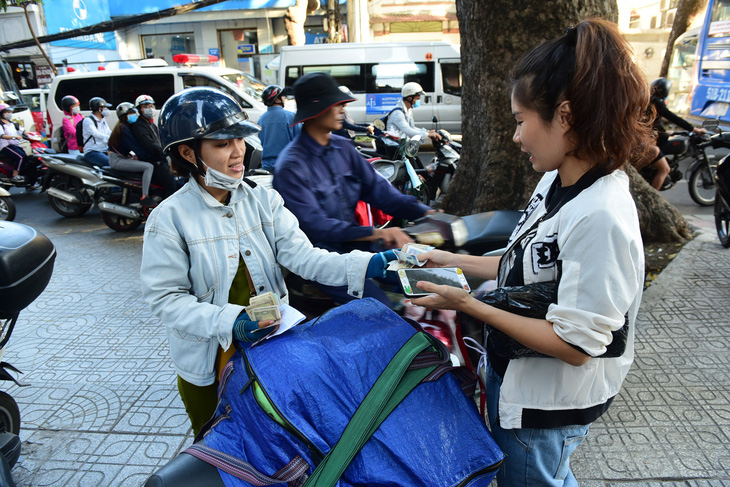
pixel 316 376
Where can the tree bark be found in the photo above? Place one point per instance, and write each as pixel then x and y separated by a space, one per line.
pixel 493 174
pixel 659 221
pixel 686 11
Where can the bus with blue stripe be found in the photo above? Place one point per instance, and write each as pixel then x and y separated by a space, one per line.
pixel 711 73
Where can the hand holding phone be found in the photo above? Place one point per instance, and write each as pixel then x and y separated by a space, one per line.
pixel 449 276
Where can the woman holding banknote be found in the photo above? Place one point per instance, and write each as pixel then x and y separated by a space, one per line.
pixel 220 240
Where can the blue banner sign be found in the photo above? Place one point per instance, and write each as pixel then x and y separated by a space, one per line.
pixel 377 104
pixel 65 15
pixel 120 8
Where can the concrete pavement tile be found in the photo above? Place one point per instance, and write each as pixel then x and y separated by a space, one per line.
pixel 158 411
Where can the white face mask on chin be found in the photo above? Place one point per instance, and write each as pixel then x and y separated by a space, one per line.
pixel 216 179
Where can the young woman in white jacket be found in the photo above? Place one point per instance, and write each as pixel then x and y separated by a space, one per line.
pixel 579 103
pixel 221 239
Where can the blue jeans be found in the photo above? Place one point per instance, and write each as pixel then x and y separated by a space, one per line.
pixel 97 158
pixel 533 457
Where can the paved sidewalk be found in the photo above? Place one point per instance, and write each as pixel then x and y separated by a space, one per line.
pixel 102 407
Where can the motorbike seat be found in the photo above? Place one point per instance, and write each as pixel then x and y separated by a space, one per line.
pixel 676 144
pixel 186 470
pixel 490 230
pixel 126 175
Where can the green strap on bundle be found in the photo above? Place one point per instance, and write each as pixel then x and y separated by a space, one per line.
pixel 393 385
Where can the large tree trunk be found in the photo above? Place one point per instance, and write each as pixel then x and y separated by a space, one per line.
pixel 493 173
pixel 686 11
pixel 294 19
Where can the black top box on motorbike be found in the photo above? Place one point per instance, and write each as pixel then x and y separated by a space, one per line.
pixel 26 265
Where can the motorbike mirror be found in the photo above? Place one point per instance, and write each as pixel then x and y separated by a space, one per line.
pixel 435 119
pixel 710 125
pixel 378 123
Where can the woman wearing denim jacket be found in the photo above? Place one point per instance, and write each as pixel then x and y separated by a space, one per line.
pixel 219 240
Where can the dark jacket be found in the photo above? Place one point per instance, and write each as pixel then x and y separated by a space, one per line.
pixel 148 138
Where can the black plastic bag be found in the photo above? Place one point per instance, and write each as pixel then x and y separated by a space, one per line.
pixel 532 301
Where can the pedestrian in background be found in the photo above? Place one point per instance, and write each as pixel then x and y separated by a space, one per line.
pixel 71 117
pixel 579 102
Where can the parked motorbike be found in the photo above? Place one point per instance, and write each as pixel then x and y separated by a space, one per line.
pixel 699 174
pixel 26 264
pixel 442 167
pixel 7 207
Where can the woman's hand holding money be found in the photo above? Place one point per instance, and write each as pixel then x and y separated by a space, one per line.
pixel 246 330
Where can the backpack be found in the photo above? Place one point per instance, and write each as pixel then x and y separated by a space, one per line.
pixel 385 118
pixel 80 131
pixel 58 140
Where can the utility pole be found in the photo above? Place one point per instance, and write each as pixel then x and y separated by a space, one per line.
pixel 358 21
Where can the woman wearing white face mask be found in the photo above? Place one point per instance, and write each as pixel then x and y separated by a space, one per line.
pixel 400 119
pixel 71 116
pixel 221 239
pixel 96 132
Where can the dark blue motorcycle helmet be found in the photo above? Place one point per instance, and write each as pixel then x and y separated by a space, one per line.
pixel 194 114
pixel 660 87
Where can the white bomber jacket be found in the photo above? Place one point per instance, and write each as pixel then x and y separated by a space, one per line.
pixel 192 244
pixel 594 244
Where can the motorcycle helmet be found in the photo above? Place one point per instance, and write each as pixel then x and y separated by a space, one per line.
pixel 97 103
pixel 202 113
pixel 411 89
pixel 67 102
pixel 660 87
pixel 144 100
pixel 5 107
pixel 270 94
pixel 124 108
pixel 347 91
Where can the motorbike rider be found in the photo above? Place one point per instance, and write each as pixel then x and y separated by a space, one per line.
pixel 659 92
pixel 123 147
pixel 349 127
pixel 71 116
pixel 149 147
pixel 10 149
pixel 277 126
pixel 322 177
pixel 400 119
pixel 219 240
pixel 96 132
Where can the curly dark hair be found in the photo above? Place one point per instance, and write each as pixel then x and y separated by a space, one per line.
pixel 593 68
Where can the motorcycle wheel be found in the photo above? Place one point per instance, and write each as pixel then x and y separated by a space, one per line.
pixel 116 222
pixel 722 221
pixel 73 186
pixel 423 193
pixel 702 185
pixel 7 209
pixel 9 414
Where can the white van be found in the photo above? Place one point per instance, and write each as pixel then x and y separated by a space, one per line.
pixel 376 72
pixel 152 77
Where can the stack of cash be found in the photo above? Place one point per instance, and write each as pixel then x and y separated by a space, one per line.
pixel 407 256
pixel 264 307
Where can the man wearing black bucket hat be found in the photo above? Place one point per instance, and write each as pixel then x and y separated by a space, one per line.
pixel 322 177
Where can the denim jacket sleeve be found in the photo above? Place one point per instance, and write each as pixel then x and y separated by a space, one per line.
pixel 295 252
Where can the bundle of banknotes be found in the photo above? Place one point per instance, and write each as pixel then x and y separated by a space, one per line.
pixel 407 256
pixel 264 307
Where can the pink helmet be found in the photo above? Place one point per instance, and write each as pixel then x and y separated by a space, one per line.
pixel 4 106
